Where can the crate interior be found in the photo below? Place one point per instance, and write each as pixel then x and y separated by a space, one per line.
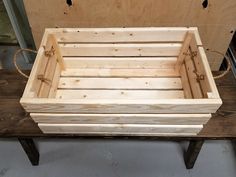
pixel 81 64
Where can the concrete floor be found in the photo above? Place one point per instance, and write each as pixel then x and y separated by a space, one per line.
pixel 115 158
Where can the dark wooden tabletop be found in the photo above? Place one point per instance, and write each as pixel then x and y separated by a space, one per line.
pixel 15 122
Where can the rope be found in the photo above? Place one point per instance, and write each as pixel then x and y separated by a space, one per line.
pixel 228 64
pixel 15 58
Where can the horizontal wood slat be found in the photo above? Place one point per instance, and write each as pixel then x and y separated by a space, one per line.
pixel 95 72
pixel 168 119
pixel 150 34
pixel 157 106
pixel 119 129
pixel 120 62
pixel 170 49
pixel 119 83
pixel 119 94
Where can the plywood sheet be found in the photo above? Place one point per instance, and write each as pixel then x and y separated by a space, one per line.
pixel 216 22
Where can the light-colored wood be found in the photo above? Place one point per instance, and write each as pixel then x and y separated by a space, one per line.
pixel 160 119
pixel 119 129
pixel 121 35
pixel 161 49
pixel 215 22
pixel 155 106
pixel 33 84
pixel 48 75
pixel 119 94
pixel 204 83
pixel 56 47
pixel 87 72
pixel 184 50
pixel 55 80
pixel 120 62
pixel 123 87
pixel 208 73
pixel 185 82
pixel 119 83
pixel 194 84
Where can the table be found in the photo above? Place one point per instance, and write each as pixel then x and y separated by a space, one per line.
pixel 16 123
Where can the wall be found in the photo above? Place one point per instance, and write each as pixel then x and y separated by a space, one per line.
pixel 216 22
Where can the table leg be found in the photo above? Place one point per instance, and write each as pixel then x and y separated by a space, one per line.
pixel 191 155
pixel 30 149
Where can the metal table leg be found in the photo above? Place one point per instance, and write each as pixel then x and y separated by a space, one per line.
pixel 30 149
pixel 191 155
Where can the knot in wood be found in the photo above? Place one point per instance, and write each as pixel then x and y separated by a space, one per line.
pixel 199 77
pixel 192 54
pixel 43 79
pixel 49 53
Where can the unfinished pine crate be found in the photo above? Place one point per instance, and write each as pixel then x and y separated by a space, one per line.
pixel 121 81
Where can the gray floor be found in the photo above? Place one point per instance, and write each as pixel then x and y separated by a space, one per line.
pixel 115 158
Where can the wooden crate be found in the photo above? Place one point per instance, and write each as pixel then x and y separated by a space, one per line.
pixel 121 81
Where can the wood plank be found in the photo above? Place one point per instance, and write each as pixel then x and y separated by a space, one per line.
pixel 33 84
pixel 205 84
pixel 119 129
pixel 56 47
pixel 168 119
pixel 142 106
pixel 120 62
pixel 194 84
pixel 185 82
pixel 208 73
pixel 119 83
pixel 160 49
pixel 119 94
pixel 55 81
pixel 184 50
pixel 87 72
pixel 49 76
pixel 114 35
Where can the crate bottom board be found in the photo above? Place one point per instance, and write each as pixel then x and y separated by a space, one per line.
pixel 121 129
pixel 159 119
pixel 121 124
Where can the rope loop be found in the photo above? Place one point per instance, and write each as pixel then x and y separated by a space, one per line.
pixel 228 64
pixel 15 59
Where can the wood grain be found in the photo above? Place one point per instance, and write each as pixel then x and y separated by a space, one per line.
pixel 120 62
pixel 120 129
pixel 94 72
pixel 168 49
pixel 17 123
pixel 159 119
pixel 120 94
pixel 119 83
pixel 122 106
